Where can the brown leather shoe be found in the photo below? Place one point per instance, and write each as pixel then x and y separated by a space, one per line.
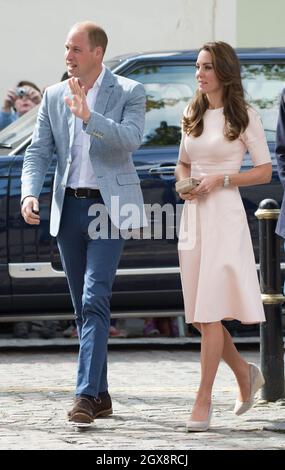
pixel 86 409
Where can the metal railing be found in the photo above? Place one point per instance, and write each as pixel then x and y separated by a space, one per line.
pixel 271 337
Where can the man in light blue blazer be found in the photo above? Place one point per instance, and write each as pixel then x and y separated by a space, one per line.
pixel 93 122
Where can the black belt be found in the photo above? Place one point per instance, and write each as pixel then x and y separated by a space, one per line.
pixel 83 193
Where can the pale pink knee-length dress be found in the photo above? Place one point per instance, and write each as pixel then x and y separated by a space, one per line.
pixel 218 271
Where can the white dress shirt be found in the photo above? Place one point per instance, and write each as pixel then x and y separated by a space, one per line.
pixel 81 173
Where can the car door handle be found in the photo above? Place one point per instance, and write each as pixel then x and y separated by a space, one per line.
pixel 162 170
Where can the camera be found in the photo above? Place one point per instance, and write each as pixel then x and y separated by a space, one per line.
pixel 20 91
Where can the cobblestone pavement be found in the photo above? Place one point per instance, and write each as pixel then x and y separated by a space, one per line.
pixel 152 392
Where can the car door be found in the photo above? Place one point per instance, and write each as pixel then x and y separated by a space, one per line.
pixel 150 264
pixel 169 87
pixel 263 81
pixel 35 285
pixel 148 273
pixel 5 281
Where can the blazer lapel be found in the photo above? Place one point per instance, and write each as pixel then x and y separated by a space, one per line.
pixel 104 92
pixel 70 119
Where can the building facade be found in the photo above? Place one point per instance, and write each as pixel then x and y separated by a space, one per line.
pixel 33 32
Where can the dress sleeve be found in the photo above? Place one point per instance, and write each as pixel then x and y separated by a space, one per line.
pixel 183 155
pixel 255 141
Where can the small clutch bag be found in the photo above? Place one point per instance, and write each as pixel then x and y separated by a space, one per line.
pixel 186 185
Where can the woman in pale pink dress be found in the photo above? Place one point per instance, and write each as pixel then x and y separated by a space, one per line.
pixel 218 271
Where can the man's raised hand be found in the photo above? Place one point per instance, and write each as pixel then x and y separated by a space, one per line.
pixel 78 103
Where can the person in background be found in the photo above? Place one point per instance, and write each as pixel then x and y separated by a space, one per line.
pixel 115 331
pixel 161 326
pixel 280 158
pixel 19 101
pixel 150 327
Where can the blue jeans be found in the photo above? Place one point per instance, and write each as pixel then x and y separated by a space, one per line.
pixel 90 266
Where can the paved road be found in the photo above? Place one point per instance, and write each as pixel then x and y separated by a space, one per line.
pixel 152 393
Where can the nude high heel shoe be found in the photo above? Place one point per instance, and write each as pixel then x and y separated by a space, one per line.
pixel 199 426
pixel 256 382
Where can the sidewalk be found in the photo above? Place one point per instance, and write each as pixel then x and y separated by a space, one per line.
pixel 152 392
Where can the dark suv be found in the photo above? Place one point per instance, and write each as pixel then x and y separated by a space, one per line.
pixel 31 278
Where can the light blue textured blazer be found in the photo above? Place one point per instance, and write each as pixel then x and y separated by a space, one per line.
pixel 116 130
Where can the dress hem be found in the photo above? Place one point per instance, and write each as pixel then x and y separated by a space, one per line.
pixel 256 322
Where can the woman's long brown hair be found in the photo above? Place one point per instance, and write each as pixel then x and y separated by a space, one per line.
pixel 227 69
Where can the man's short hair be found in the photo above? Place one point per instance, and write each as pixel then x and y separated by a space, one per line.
pixel 97 37
pixel 96 34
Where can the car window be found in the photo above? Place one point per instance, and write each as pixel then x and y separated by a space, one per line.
pixel 112 64
pixel 168 89
pixel 19 130
pixel 263 84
